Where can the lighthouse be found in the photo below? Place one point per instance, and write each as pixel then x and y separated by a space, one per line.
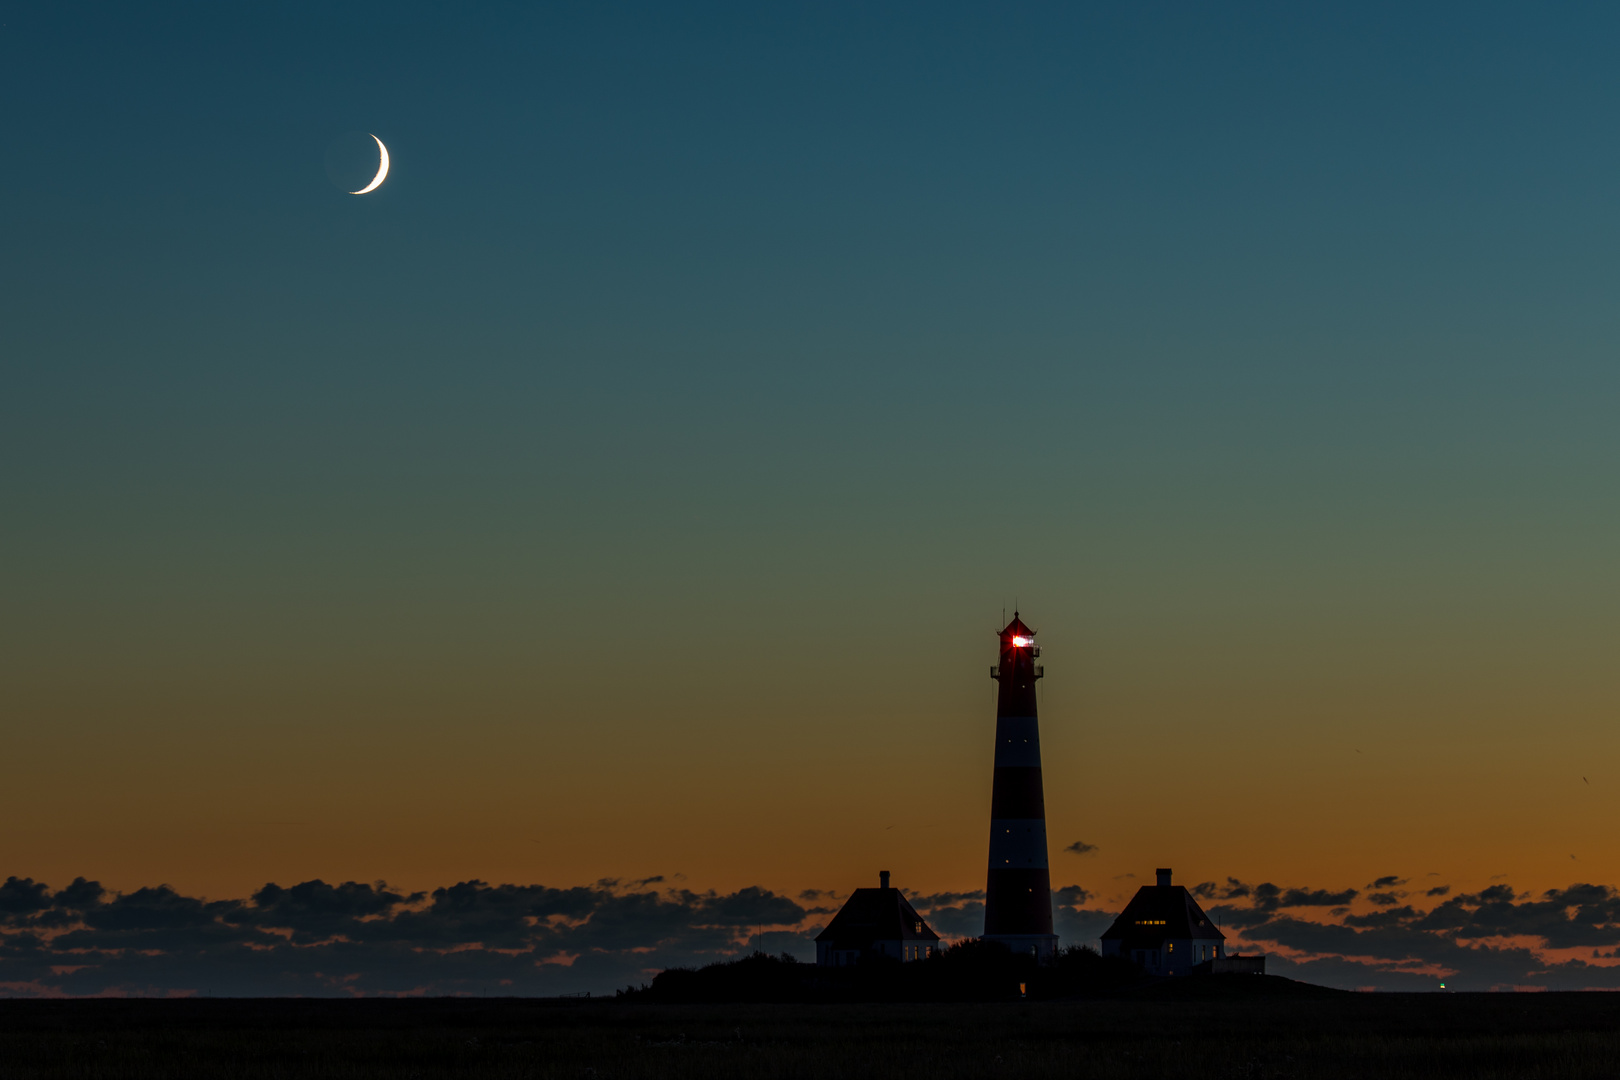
pixel 1018 891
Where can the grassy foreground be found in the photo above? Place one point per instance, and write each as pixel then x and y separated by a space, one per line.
pixel 1362 1035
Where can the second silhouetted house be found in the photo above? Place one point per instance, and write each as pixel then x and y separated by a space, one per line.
pixel 1165 931
pixel 875 923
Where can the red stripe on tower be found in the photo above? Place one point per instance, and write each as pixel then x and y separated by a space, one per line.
pixel 1018 892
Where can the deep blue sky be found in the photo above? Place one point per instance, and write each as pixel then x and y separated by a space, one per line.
pixel 747 359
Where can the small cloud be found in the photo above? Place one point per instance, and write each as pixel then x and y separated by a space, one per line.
pixel 1204 890
pixel 24 896
pixel 80 895
pixel 1386 899
pixel 1438 890
pixel 1316 897
pixel 1080 847
pixel 1071 896
pixel 945 899
pixel 1388 881
pixel 1382 920
pixel 1267 896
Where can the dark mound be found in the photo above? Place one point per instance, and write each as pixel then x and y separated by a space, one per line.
pixel 970 971
pixel 1228 988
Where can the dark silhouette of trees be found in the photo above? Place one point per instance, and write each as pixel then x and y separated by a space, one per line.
pixel 971 970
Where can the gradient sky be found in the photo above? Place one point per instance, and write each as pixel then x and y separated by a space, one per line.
pixel 633 484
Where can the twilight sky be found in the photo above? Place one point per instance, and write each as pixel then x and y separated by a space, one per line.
pixel 633 484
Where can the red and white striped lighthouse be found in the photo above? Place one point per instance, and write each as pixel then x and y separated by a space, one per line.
pixel 1018 892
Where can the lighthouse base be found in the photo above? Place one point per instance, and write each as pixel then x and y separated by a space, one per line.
pixel 1041 946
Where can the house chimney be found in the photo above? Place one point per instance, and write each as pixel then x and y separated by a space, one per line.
pixel 883 879
pixel 1164 877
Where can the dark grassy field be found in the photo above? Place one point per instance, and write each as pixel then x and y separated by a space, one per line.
pixel 1251 1035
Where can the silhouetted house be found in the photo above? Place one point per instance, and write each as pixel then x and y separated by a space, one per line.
pixel 1164 930
pixel 875 922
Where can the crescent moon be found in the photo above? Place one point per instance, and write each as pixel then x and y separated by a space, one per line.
pixel 382 170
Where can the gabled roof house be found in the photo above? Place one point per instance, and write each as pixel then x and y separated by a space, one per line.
pixel 1164 930
pixel 873 923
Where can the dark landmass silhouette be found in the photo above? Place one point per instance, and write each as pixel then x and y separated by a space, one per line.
pixel 1269 1037
pixel 969 971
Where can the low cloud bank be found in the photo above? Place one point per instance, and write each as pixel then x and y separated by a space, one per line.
pixel 316 938
pixel 1495 939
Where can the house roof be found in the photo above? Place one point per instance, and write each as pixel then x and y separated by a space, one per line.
pixel 1158 912
pixel 876 915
